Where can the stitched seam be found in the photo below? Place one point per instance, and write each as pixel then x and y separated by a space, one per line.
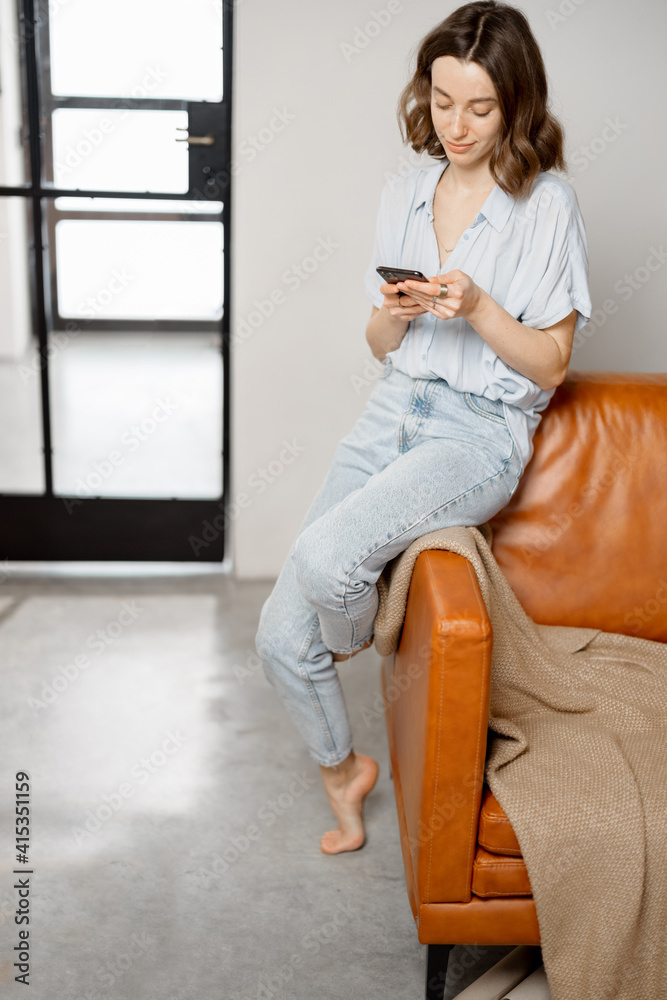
pixel 401 427
pixel 428 398
pixel 305 645
pixel 351 623
pixel 437 774
pixel 496 817
pixel 312 691
pixel 346 611
pixel 525 892
pixel 483 865
pixel 484 413
pixel 494 849
pixel 479 728
pixel 419 415
pixel 505 852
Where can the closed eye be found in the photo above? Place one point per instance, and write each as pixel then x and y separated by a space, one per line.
pixel 477 114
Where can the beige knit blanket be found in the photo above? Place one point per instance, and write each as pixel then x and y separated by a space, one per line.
pixel 580 767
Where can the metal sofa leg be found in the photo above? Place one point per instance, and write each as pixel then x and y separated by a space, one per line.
pixel 437 959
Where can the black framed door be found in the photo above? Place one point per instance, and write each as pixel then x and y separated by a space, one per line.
pixel 114 343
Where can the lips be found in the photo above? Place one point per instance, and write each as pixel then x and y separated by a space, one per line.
pixel 459 145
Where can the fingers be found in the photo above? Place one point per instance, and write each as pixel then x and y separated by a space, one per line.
pixel 392 298
pixel 407 310
pixel 429 296
pixel 424 288
pixel 400 306
pixel 449 277
pixel 446 308
pixel 417 298
pixel 421 297
pixel 392 303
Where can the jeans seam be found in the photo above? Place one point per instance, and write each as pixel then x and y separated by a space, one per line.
pixel 496 417
pixel 347 614
pixel 320 714
pixel 428 398
pixel 511 434
pixel 402 438
pixel 354 647
pixel 335 757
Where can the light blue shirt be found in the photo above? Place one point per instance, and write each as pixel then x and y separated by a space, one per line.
pixel 530 255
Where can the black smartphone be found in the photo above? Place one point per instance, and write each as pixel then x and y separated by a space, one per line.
pixel 392 275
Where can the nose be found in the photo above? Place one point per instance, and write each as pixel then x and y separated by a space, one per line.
pixel 457 127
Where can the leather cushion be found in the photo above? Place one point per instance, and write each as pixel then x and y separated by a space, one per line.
pixel 580 508
pixel 495 830
pixel 499 875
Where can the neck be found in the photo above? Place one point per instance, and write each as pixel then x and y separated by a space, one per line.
pixel 472 180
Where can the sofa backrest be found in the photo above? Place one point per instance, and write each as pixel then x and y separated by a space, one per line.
pixel 583 541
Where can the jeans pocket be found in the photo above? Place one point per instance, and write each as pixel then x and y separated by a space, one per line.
pixel 492 409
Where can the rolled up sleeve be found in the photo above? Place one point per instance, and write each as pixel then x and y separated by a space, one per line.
pixel 556 271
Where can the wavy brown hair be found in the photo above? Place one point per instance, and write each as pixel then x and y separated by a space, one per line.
pixel 497 36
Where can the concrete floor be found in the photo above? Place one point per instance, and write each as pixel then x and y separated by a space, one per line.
pixel 175 814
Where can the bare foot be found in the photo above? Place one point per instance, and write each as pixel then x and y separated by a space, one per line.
pixel 347 785
pixel 346 656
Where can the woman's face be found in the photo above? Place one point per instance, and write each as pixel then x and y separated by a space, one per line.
pixel 465 110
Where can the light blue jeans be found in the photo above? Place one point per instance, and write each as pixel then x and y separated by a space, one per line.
pixel 421 456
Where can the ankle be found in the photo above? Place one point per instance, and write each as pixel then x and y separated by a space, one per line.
pixel 340 774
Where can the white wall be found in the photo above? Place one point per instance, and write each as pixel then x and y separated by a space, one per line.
pixel 298 373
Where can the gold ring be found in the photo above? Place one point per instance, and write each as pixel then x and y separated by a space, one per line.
pixel 444 291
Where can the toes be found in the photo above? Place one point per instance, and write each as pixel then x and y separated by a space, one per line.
pixel 334 842
pixel 329 843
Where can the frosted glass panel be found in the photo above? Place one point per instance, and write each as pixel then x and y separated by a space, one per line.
pixel 109 150
pixel 122 269
pixel 137 48
pixel 14 165
pixel 21 452
pixel 21 446
pixel 137 415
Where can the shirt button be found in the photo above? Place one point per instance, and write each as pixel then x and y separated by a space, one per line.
pixel 423 357
pixel 465 237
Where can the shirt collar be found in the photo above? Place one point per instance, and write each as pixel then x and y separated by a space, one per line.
pixel 497 207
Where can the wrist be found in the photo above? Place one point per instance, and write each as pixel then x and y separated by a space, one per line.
pixel 480 307
pixel 397 323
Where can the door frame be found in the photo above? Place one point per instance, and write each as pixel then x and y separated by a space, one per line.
pixel 56 527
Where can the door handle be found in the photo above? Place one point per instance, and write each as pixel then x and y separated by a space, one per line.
pixel 196 140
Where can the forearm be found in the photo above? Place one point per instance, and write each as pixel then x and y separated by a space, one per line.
pixel 385 332
pixel 531 352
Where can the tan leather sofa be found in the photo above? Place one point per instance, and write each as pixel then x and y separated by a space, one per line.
pixel 582 542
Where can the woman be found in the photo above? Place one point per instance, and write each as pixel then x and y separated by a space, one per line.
pixel 470 359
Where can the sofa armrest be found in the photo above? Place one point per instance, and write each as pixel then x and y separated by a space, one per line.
pixel 437 697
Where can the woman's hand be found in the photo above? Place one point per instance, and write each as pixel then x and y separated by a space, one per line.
pixel 401 306
pixel 388 325
pixel 463 295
